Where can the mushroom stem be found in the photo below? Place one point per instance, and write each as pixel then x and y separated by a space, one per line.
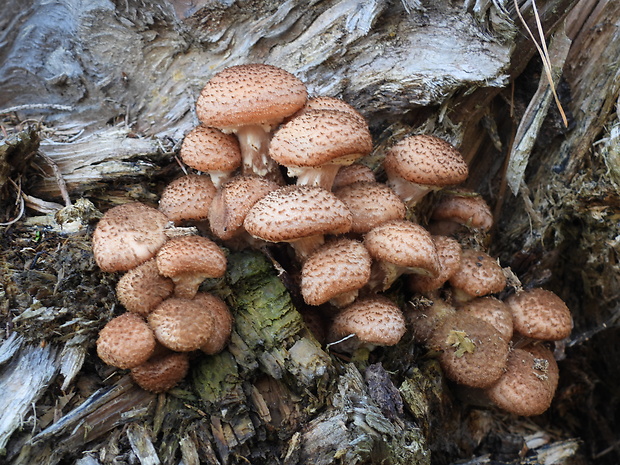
pixel 306 245
pixel 383 274
pixel 254 143
pixel 409 192
pixel 321 176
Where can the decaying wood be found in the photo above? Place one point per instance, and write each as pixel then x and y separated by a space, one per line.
pixel 106 92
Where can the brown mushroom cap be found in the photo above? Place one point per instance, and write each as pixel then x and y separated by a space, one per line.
pixel 187 198
pixel 375 321
pixel 233 202
pixel 161 372
pixel 182 324
pixel 473 352
pixel 332 103
pixel 250 94
pixel 222 322
pixel 529 383
pixel 466 208
pixel 449 252
pixel 128 235
pixel 337 270
pixel 478 275
pixel 384 206
pixel 314 145
pixel 353 173
pixel 125 341
pixel 540 314
pixel 142 289
pixel 493 311
pixel 424 321
pixel 188 261
pixel 211 151
pixel 425 161
pixel 300 214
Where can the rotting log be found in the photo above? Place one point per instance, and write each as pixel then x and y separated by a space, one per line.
pixel 96 100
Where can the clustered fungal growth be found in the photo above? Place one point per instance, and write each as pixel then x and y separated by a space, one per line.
pixel 269 165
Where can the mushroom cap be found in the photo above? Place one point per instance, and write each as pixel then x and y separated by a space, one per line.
pixel 427 160
pixel 449 252
pixel 142 288
pixel 540 314
pixel 405 244
pixel 191 254
pixel 209 149
pixel 319 137
pixel 250 94
pixel 376 321
pixel 473 352
pixel 128 235
pixel 385 204
pixel 353 173
pixel 182 324
pixel 294 212
pixel 234 200
pixel 479 274
pixel 493 311
pixel 337 267
pixel 423 321
pixel 161 372
pixel 464 207
pixel 125 341
pixel 332 103
pixel 529 383
pixel 222 322
pixel 187 198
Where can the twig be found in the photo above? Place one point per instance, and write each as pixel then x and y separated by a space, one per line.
pixel 35 106
pixel 19 199
pixel 62 185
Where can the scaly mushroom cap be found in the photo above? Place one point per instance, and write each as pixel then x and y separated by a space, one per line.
pixel 478 275
pixel 405 244
pixel 473 352
pixel 182 324
pixel 427 160
pixel 375 321
pixel 466 208
pixel 187 198
pixel 529 383
pixel 128 235
pixel 125 341
pixel 222 322
pixel 293 212
pixel 493 311
pixel 337 269
pixel 250 94
pixel 318 137
pixel 211 151
pixel 385 204
pixel 233 201
pixel 188 261
pixel 161 372
pixel 332 103
pixel 540 314
pixel 424 321
pixel 449 252
pixel 142 289
pixel 353 173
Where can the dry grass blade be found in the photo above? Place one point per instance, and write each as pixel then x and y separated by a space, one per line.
pixel 544 54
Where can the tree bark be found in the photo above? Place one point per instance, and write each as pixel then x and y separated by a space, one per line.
pixel 96 99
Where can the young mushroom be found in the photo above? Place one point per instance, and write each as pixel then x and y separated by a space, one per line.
pixel 142 288
pixel 188 261
pixel 163 371
pixel 300 215
pixel 335 272
pixel 418 164
pixel 187 198
pixel 222 322
pixel 314 145
pixel 126 341
pixel 251 100
pixel 478 275
pixel 349 174
pixel 449 252
pixel 540 314
pixel 211 151
pixel 460 208
pixel 128 235
pixel 528 385
pixel 400 247
pixel 493 311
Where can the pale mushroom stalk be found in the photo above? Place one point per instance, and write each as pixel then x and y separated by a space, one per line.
pixel 409 192
pixel 254 142
pixel 383 274
pixel 304 246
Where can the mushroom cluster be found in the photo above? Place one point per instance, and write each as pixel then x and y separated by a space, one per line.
pixel 267 164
